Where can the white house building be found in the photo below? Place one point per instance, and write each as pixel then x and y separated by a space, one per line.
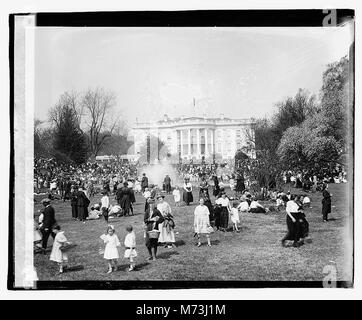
pixel 197 137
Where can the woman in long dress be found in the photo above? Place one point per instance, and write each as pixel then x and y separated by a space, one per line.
pixel 167 235
pixel 202 222
pixel 216 188
pixel 326 203
pixel 187 194
pixel 293 223
pixel 224 203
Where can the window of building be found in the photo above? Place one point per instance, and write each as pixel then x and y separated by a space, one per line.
pixel 218 148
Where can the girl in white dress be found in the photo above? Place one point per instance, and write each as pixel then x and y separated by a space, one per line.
pixel 202 222
pixel 130 244
pixel 57 255
pixel 177 196
pixel 167 235
pixel 234 215
pixel 111 251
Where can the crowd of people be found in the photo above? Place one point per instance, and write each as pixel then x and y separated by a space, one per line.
pixel 209 217
pixel 216 210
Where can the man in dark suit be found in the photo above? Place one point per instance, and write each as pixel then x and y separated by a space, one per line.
pixel 167 182
pixel 144 183
pixel 48 223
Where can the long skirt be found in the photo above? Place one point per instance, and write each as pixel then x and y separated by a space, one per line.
pixel 293 228
pixel 187 197
pixel 74 211
pixel 224 218
pixel 304 225
pixel 217 214
pixel 165 236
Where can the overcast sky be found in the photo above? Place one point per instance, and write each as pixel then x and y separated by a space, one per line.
pixel 240 72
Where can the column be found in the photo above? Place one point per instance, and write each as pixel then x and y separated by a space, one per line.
pixel 189 143
pixel 212 142
pixel 182 143
pixel 198 143
pixel 206 142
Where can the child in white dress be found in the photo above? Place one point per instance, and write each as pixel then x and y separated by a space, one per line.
pixel 177 196
pixel 111 251
pixel 234 215
pixel 130 244
pixel 57 254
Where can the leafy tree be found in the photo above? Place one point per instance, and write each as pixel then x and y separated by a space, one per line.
pixel 308 147
pixel 335 97
pixel 69 142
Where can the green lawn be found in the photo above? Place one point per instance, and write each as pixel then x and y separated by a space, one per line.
pixel 253 254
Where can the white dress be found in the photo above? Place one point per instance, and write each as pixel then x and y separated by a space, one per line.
pixel 165 235
pixel 112 242
pixel 130 242
pixel 234 215
pixel 57 255
pixel 201 220
pixel 176 195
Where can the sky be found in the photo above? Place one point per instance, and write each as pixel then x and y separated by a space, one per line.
pixel 238 72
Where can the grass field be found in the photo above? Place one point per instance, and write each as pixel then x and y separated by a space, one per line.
pixel 253 254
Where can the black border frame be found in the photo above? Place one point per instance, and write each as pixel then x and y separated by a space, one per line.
pixel 191 18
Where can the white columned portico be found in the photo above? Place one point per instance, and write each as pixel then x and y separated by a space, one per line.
pixel 198 143
pixel 189 143
pixel 182 143
pixel 206 142
pixel 213 142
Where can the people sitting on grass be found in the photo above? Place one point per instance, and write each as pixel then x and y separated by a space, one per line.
pixel 94 214
pixel 256 207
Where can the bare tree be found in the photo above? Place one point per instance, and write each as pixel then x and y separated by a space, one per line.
pixel 100 118
pixel 71 101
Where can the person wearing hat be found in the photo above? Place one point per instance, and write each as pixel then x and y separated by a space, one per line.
pixel 125 197
pixel 82 205
pixel 167 235
pixel 224 203
pixel 187 194
pixel 144 182
pixel 48 222
pixel 326 202
pixel 152 218
pixel 73 202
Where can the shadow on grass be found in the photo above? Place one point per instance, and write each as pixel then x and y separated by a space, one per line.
pixel 179 243
pixel 138 267
pixel 166 255
pixel 215 242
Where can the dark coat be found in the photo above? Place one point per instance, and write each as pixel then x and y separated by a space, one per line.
pixel 49 217
pixel 125 197
pixel 82 204
pixel 326 202
pixel 73 198
pixel 144 182
pixel 150 225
